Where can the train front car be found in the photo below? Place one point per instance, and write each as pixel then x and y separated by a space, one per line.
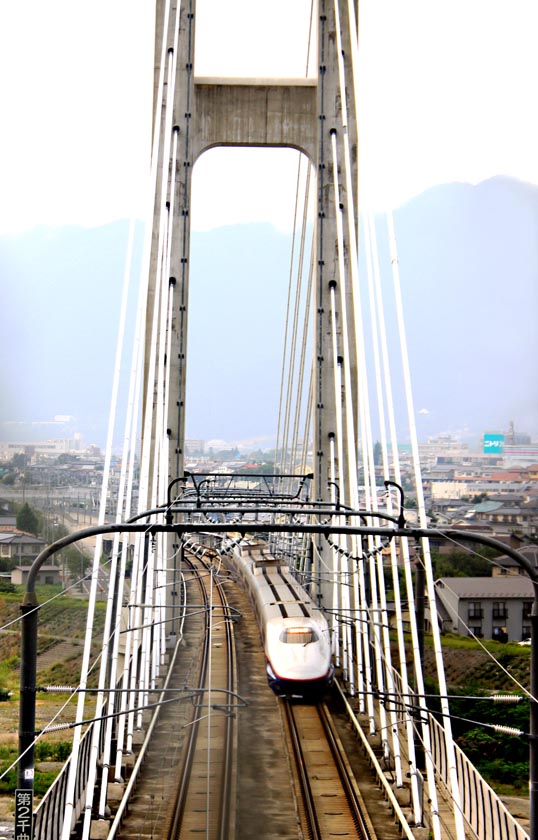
pixel 298 657
pixel 295 633
pixel 296 636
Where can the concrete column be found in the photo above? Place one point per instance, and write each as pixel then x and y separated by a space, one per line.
pixel 326 402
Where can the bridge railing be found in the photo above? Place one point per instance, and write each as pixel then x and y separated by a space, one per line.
pixel 49 814
pixel 483 810
pixel 485 813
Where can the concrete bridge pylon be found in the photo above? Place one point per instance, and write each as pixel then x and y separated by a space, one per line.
pixel 309 114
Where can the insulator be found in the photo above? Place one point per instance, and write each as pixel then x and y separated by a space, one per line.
pixel 508 730
pixel 56 727
pixel 506 698
pixel 64 688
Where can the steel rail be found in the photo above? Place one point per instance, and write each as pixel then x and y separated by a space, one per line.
pixel 227 811
pixel 306 790
pixel 178 807
pixel 347 782
pixel 131 785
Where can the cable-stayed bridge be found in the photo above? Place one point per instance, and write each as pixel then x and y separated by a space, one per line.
pixel 333 511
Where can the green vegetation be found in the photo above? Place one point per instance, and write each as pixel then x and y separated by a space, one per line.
pixel 503 760
pixel 45 751
pixel 463 563
pixel 34 521
pixel 28 520
pixel 61 621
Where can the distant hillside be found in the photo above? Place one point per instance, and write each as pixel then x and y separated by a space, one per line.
pixel 61 292
pixel 468 261
pixel 469 268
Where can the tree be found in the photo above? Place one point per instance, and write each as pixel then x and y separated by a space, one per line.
pixel 378 454
pixel 480 497
pixel 28 520
pixel 463 563
pixel 19 461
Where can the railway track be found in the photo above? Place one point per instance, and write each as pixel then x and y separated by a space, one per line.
pixel 189 781
pixel 192 786
pixel 328 799
pixel 204 796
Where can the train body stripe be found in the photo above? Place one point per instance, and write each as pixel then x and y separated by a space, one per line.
pixel 298 601
pixel 272 587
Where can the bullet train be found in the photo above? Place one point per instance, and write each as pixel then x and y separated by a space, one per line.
pixel 295 634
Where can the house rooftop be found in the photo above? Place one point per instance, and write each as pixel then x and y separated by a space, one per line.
pixel 501 586
pixel 12 535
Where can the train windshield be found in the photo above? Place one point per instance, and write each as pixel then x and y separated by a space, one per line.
pixel 298 635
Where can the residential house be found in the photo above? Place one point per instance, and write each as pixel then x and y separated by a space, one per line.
pixel 46 574
pixel 18 546
pixel 496 607
pixel 506 565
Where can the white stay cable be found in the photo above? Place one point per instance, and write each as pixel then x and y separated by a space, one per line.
pixel 148 420
pixel 302 397
pixel 287 353
pixel 404 545
pixel 151 639
pixel 141 545
pixel 157 397
pixel 339 436
pixel 303 333
pixel 132 641
pixel 361 626
pixel 129 452
pixel 335 618
pixel 163 538
pixel 372 258
pixel 150 435
pixel 96 731
pixel 447 727
pixel 79 717
pixel 137 367
pixel 380 610
pixel 152 634
pixel 355 64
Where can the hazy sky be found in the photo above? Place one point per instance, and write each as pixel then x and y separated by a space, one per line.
pixel 448 93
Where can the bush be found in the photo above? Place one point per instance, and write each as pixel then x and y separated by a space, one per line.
pixel 9 781
pixel 502 772
pixel 52 750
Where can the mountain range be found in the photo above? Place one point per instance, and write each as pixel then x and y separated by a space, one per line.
pixel 468 262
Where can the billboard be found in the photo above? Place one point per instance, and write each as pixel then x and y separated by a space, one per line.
pixel 493 444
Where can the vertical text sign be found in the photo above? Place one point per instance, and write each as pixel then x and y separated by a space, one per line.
pixel 24 802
